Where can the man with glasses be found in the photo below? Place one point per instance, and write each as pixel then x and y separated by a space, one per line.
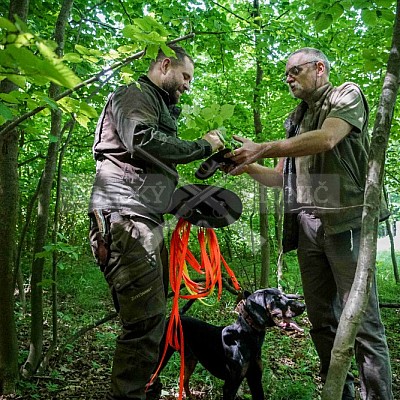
pixel 323 165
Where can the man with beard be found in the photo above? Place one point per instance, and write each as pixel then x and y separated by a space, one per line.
pixel 136 149
pixel 323 167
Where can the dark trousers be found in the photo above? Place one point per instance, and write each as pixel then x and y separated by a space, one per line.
pixel 137 264
pixel 328 264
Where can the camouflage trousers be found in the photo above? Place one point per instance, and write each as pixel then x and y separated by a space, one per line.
pixel 136 271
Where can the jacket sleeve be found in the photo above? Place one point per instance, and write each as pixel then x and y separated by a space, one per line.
pixel 144 125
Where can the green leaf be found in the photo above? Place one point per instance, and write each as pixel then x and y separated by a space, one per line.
pixel 167 50
pixel 21 25
pixel 68 104
pixel 149 24
pixel 143 24
pixel 7 24
pixel 59 74
pixel 72 57
pixel 152 51
pixel 208 113
pixel 369 17
pixel 336 10
pixel 127 70
pixel 227 111
pixel 369 54
pixel 361 3
pixel 81 49
pixel 388 15
pixel 218 121
pixel 23 58
pixel 384 3
pixel 89 111
pixel 42 254
pixel 17 79
pixel 93 60
pixel 50 102
pixel 5 112
pixel 129 31
pixel 127 49
pixel 38 79
pixel 82 120
pixel 191 123
pixel 323 21
pixel 9 97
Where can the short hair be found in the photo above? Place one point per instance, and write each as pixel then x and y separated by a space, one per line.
pixel 316 54
pixel 179 58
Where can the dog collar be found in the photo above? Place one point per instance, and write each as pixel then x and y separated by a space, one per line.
pixel 241 310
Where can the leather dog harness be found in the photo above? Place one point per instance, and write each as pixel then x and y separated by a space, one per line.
pixel 241 310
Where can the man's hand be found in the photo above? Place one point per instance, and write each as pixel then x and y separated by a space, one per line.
pixel 244 155
pixel 215 138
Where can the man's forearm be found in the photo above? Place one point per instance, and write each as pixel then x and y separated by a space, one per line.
pixel 266 176
pixel 333 130
pixel 308 143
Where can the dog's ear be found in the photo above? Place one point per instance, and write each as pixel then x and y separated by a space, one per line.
pixel 246 294
pixel 242 296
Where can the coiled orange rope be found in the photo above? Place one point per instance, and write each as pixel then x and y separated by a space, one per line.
pixel 210 267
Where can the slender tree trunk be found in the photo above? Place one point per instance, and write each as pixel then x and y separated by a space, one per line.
pixel 9 193
pixel 8 217
pixel 393 252
pixel 54 294
pixel 18 278
pixel 278 208
pixel 36 344
pixel 262 190
pixel 264 227
pixel 358 298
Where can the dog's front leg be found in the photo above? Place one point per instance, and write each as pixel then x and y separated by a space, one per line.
pixel 254 379
pixel 190 365
pixel 231 386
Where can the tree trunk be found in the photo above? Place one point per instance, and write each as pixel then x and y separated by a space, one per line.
pixel 36 344
pixel 358 298
pixel 18 277
pixel 262 190
pixel 278 214
pixel 9 193
pixel 264 227
pixel 8 217
pixel 55 256
pixel 393 252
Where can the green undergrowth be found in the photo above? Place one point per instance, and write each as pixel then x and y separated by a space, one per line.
pixel 81 367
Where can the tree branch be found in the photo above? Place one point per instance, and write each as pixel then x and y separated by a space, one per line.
pixel 8 127
pixel 229 11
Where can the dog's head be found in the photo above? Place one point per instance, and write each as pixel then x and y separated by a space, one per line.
pixel 270 307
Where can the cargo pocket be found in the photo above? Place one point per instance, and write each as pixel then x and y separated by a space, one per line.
pixel 138 291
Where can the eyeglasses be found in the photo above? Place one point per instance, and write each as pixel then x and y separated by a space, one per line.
pixel 295 70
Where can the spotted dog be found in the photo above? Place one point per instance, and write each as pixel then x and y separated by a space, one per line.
pixel 233 352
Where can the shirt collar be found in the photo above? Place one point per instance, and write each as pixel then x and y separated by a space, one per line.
pixel 318 96
pixel 174 109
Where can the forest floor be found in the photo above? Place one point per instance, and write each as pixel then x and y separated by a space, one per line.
pixel 80 367
pixel 82 371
